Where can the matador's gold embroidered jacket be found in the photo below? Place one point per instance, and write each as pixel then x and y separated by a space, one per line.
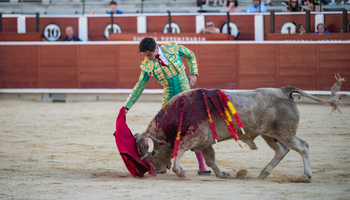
pixel 172 77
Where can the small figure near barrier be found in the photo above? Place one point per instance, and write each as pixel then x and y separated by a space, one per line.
pixel 70 35
pixel 210 28
pixel 321 28
pixel 299 28
pixel 256 8
pixel 113 6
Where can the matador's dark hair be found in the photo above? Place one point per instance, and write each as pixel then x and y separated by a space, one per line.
pixel 147 44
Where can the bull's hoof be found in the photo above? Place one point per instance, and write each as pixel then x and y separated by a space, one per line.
pixel 179 172
pixel 253 148
pixel 224 175
pixel 305 178
pixel 264 173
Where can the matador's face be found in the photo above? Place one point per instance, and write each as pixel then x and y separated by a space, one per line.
pixel 150 55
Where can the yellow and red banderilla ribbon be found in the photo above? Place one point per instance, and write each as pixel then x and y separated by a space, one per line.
pixel 178 137
pixel 227 105
pixel 211 123
pixel 225 101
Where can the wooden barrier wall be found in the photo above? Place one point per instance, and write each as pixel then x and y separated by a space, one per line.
pixel 229 65
pixel 96 26
pixel 33 36
pixel 186 23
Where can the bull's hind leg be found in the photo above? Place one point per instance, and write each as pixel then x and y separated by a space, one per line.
pixel 280 151
pixel 209 157
pixel 302 147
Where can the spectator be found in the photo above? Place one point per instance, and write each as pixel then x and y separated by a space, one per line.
pixel 299 28
pixel 311 6
pixel 347 28
pixel 221 3
pixel 342 2
pixel 268 3
pixel 253 8
pixel 210 28
pixel 113 7
pixel 70 35
pixel 333 3
pixel 214 4
pixel 321 28
pixel 294 6
pixel 206 3
pixel 232 6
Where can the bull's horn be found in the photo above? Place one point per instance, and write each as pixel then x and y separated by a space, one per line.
pixel 150 144
pixel 145 155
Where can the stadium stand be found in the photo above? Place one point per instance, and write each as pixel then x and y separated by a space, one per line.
pixel 61 7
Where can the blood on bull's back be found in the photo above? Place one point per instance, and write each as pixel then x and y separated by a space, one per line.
pixel 195 112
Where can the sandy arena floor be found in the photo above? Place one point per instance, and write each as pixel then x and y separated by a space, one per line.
pixel 67 151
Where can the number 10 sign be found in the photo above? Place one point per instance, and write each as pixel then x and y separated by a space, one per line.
pixel 52 32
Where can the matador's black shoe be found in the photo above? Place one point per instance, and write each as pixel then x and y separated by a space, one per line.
pixel 204 173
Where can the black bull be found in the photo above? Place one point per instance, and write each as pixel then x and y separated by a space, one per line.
pixel 268 112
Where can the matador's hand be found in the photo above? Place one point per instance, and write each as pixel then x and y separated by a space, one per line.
pixel 192 80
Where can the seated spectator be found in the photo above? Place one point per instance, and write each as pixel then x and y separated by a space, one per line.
pixel 206 3
pixel 70 35
pixel 254 8
pixel 214 4
pixel 333 3
pixel 232 6
pixel 321 28
pixel 347 28
pixel 210 28
pixel 299 28
pixel 113 7
pixel 221 3
pixel 342 2
pixel 268 3
pixel 311 5
pixel 294 6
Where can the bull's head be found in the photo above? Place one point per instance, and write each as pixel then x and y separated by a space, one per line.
pixel 158 152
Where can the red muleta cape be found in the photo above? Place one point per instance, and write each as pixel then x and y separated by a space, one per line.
pixel 127 148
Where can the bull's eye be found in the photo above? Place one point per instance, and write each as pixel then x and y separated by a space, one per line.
pixel 153 153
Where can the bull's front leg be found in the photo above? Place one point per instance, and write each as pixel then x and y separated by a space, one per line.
pixel 189 141
pixel 209 157
pixel 185 144
pixel 177 169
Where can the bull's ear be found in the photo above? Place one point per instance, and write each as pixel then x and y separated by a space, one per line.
pixel 157 141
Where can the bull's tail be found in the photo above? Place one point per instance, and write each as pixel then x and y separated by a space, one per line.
pixel 333 101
